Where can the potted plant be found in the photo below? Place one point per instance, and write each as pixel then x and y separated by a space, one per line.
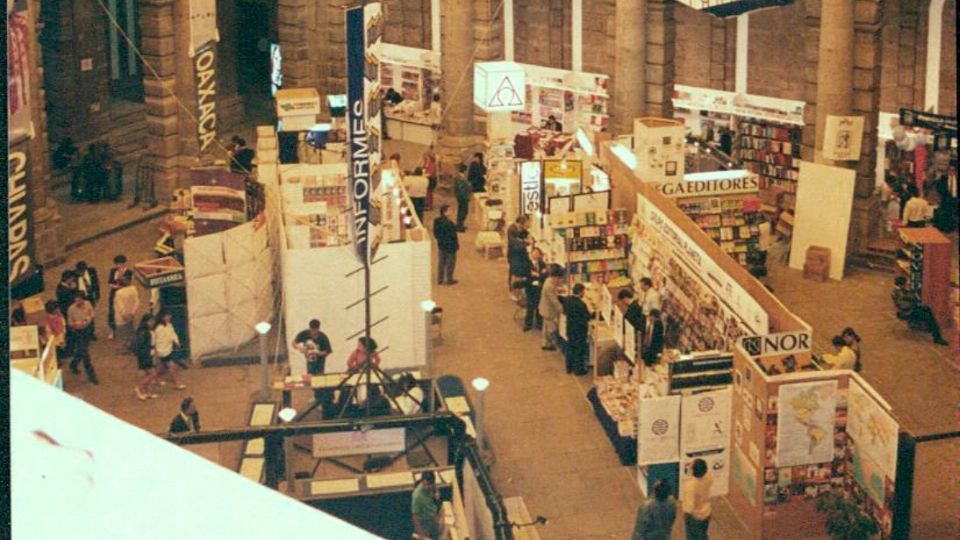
pixel 846 517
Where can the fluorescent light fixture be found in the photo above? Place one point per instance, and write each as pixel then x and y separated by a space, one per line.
pixel 428 305
pixel 625 154
pixel 287 414
pixel 584 141
pixel 262 327
pixel 320 127
pixel 481 384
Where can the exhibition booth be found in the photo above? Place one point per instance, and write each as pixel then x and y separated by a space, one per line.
pixel 415 75
pixel 733 361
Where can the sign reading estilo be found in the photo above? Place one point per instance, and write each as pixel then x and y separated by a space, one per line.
pixel 724 186
pixel 204 64
pixel 773 344
pixel 531 195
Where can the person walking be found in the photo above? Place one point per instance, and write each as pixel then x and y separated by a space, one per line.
pixel 578 325
pixel 144 351
pixel 80 320
pixel 462 191
pixel 550 307
pixel 425 508
pixel 447 244
pixel 656 515
pixel 165 338
pixel 477 173
pixel 695 500
pixel 188 419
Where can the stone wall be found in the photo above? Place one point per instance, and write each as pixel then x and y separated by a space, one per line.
pixel 775 59
pixel 407 23
pixel 948 62
pixel 599 34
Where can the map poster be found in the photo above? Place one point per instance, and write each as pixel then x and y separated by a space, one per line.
pixel 745 476
pixel 805 427
pixel 658 432
pixel 873 430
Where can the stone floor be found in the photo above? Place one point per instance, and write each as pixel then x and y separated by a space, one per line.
pixel 546 444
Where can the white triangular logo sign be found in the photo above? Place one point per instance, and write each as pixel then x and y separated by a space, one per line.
pixel 505 95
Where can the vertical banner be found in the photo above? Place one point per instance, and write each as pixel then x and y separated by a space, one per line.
pixel 364 29
pixel 658 430
pixel 203 50
pixel 706 435
pixel 18 72
pixel 531 188
pixel 203 24
pixel 20 217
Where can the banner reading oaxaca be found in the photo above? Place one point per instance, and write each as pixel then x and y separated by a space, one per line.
pixel 364 27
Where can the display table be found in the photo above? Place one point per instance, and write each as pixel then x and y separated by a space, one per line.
pixel 626 447
pixel 409 130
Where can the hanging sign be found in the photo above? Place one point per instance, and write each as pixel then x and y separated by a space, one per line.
pixel 364 31
pixel 563 169
pixel 203 24
pixel 843 137
pixel 531 188
pixel 18 72
pixel 499 86
pixel 204 65
pixel 21 259
pixel 774 344
pixel 927 120
pixel 658 430
pixel 711 184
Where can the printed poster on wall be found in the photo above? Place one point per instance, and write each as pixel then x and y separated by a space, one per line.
pixel 842 137
pixel 706 435
pixel 658 430
pixel 18 72
pixel 874 435
pixel 745 475
pixel 807 412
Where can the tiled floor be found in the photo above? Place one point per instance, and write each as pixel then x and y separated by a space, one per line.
pixel 547 445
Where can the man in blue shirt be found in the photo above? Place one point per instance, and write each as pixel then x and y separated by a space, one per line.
pixel 656 515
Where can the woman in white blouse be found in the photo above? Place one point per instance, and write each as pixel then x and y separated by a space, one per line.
pixel 164 340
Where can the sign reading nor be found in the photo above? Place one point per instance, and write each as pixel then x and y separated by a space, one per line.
pixel 353 443
pixel 782 343
pixel 499 86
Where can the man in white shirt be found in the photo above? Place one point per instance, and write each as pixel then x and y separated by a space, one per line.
pixel 917 209
pixel 126 301
pixel 695 500
pixel 416 185
pixel 651 296
pixel 80 321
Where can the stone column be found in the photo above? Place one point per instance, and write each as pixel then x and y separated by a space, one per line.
pixel 630 91
pixel 835 70
pixel 294 27
pixel 230 109
pixel 329 47
pixel 456 64
pixel 158 44
pixel 661 51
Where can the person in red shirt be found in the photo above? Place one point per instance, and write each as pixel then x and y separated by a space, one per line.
pixel 366 348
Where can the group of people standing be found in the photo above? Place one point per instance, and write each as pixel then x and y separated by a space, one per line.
pixel 96 176
pixel 657 514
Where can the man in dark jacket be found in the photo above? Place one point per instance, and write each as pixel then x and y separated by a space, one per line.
pixel 578 322
pixel 188 420
pixel 463 191
pixel 477 173
pixel 447 244
pixel 652 337
pixel 656 515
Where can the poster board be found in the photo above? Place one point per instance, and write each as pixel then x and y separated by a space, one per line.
pixel 595 201
pixel 706 432
pixel 629 341
pixel 658 430
pixel 843 137
pixel 823 211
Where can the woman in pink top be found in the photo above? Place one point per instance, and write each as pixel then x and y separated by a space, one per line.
pixel 54 326
pixel 366 347
pixel 430 166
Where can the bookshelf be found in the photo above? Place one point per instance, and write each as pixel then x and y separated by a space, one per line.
pixel 730 221
pixel 771 151
pixel 924 258
pixel 594 245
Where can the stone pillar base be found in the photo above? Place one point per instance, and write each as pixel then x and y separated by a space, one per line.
pixel 48 235
pixel 864 223
pixel 453 149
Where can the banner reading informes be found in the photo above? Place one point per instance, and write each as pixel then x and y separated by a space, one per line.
pixel 364 29
pixel 20 217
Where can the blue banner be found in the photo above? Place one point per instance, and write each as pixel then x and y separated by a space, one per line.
pixel 359 162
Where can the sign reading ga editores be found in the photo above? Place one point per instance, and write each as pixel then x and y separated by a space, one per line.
pixel 773 344
pixel 711 184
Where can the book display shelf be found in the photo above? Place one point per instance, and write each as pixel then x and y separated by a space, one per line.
pixel 593 245
pixel 730 221
pixel 924 258
pixel 771 151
